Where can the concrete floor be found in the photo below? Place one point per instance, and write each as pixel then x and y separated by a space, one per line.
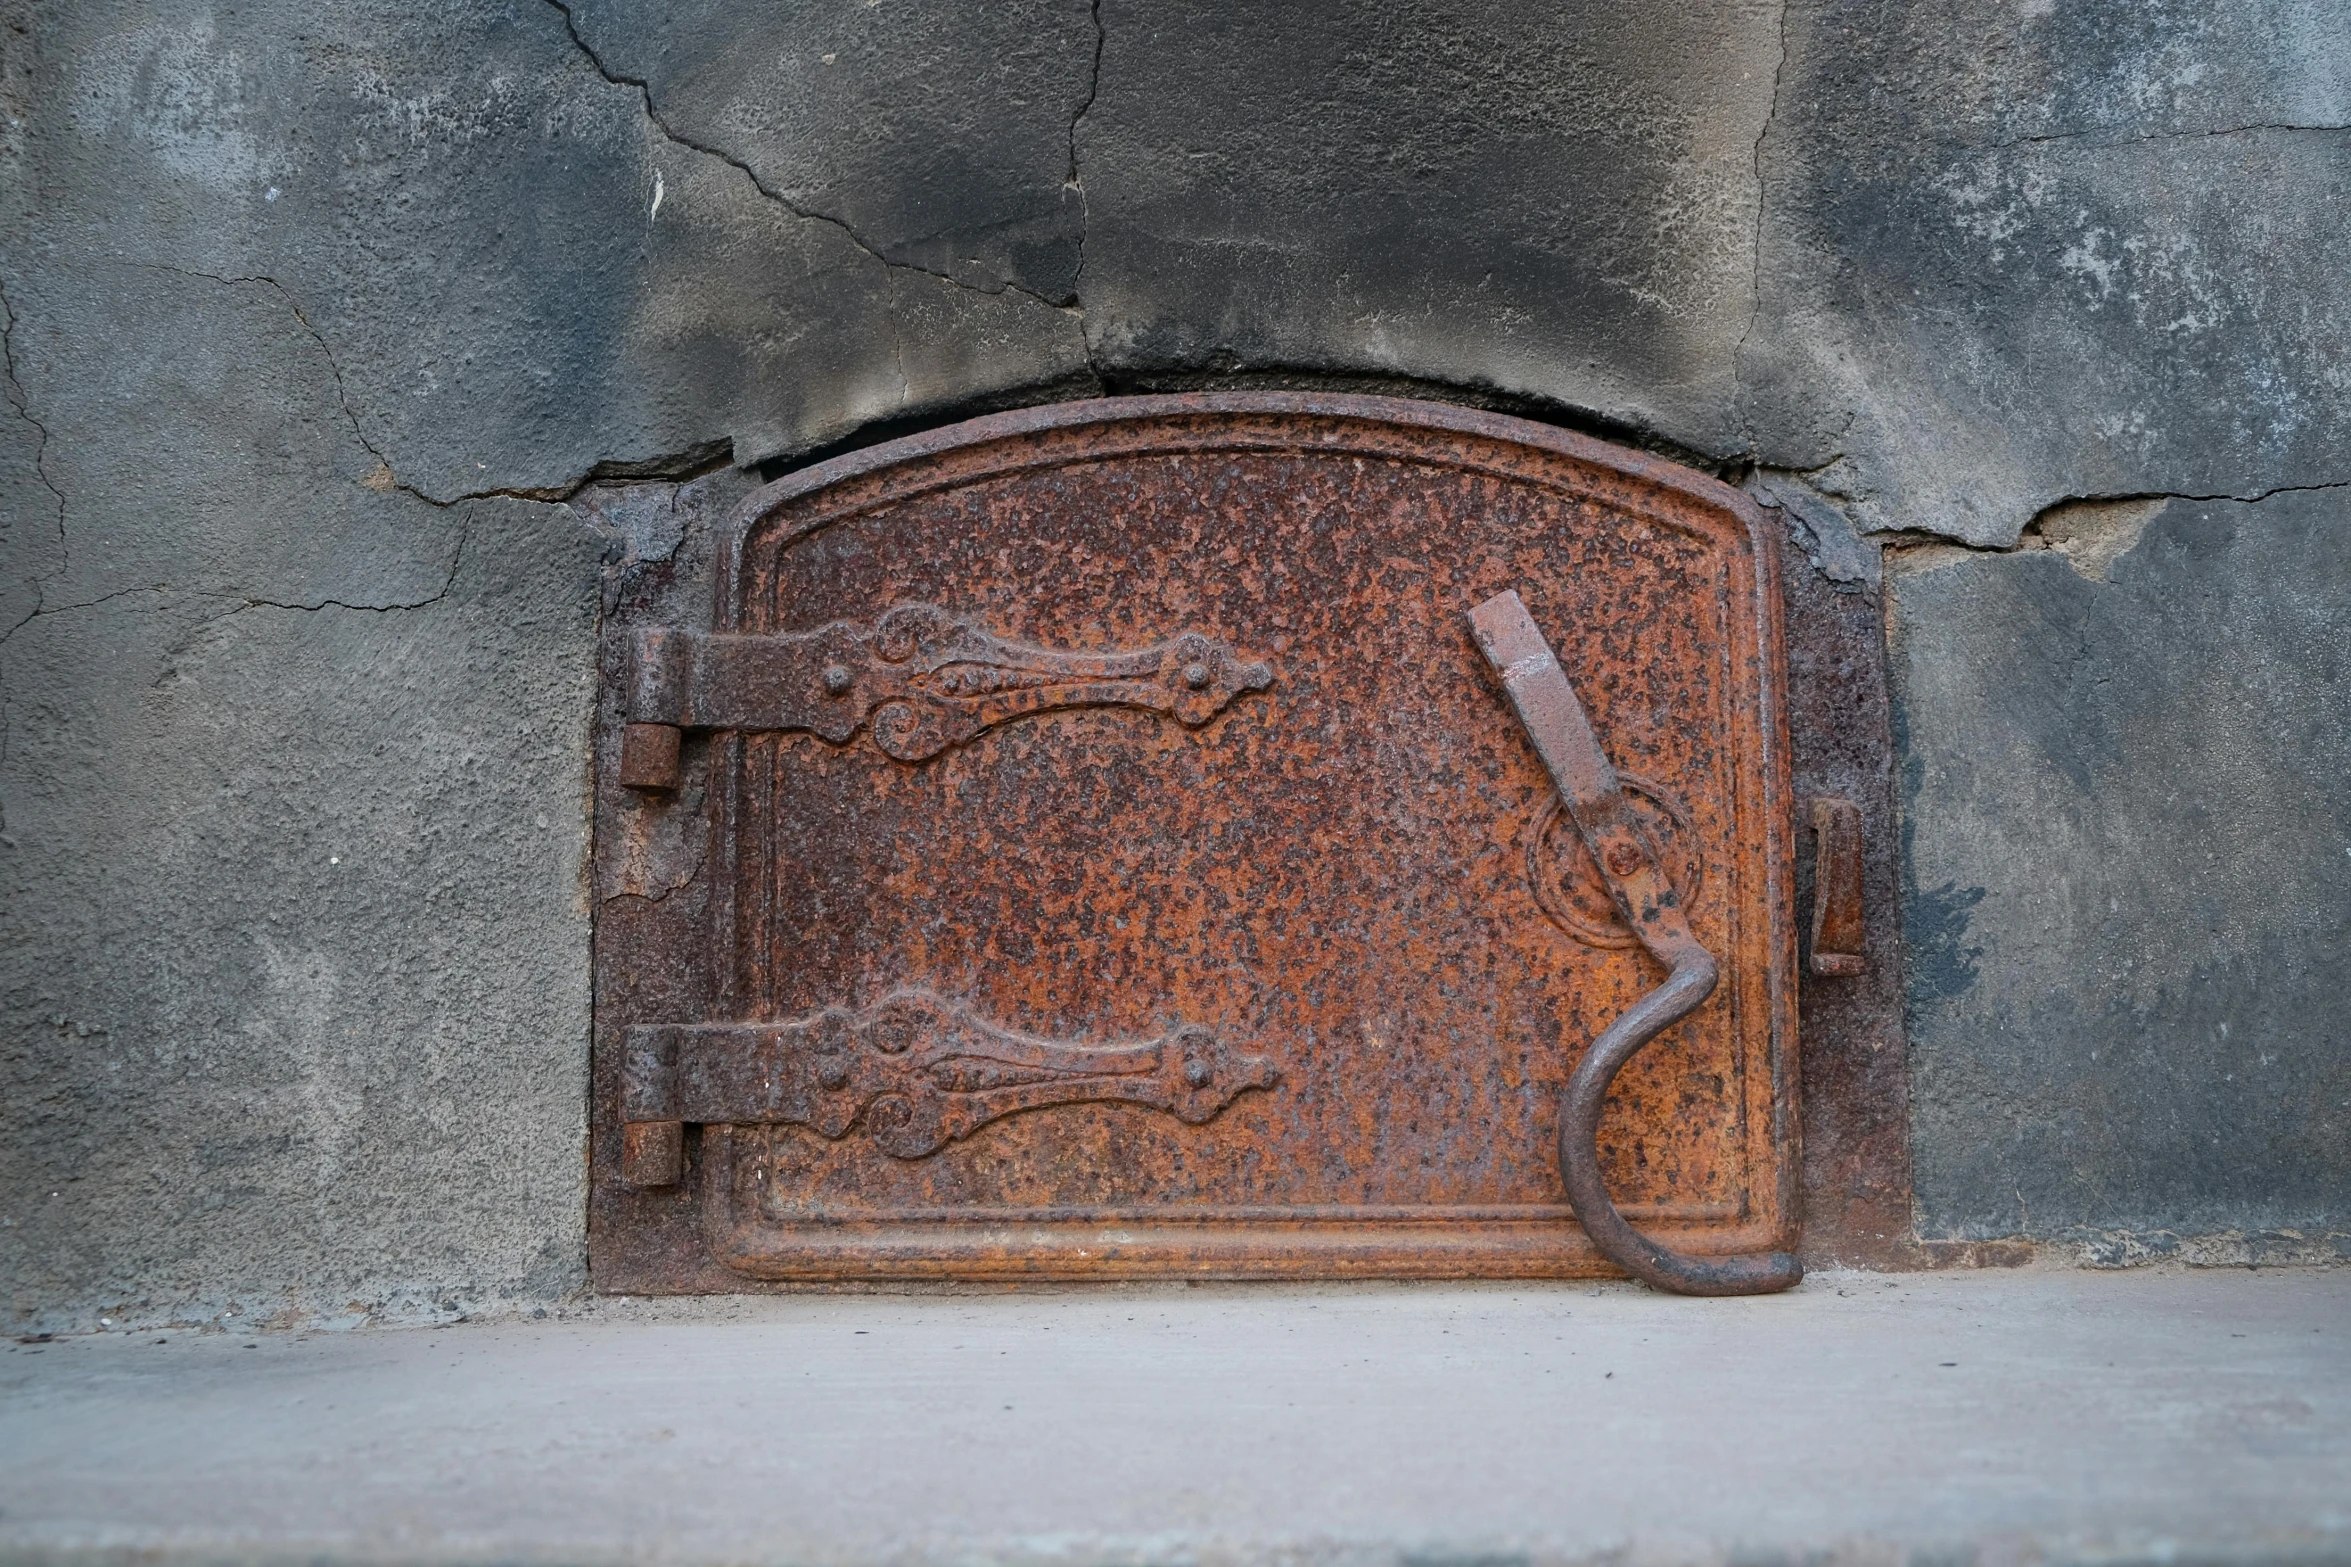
pixel 1946 1418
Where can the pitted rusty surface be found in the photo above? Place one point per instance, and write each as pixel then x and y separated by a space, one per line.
pixel 1347 869
pixel 1649 903
pixel 1856 1164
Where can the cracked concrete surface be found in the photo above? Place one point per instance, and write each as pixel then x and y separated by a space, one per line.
pixel 370 315
pixel 2056 526
pixel 2068 246
pixel 277 975
pixel 2129 850
pixel 1762 195
pixel 770 193
pixel 1077 181
pixel 2225 130
pixel 289 804
pixel 385 478
pixel 19 550
pixel 1548 211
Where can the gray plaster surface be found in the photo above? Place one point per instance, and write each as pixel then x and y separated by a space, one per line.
pixel 317 313
pixel 1552 202
pixel 2127 791
pixel 289 931
pixel 2090 244
pixel 2017 1417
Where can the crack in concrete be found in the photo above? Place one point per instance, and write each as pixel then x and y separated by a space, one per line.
pixel 2132 140
pixel 21 400
pixel 1918 545
pixel 1093 88
pixel 553 494
pixel 42 609
pixel 243 603
pixel 103 598
pixel 334 366
pixel 742 166
pixel 2254 498
pixel 45 611
pixel 1076 181
pixel 1755 273
pixel 448 585
pixel 898 347
pixel 342 391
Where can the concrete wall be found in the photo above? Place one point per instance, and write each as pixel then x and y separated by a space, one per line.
pixel 343 341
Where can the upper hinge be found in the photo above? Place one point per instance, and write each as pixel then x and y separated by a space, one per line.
pixel 917 681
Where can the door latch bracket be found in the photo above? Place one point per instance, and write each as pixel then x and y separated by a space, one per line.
pixel 1836 890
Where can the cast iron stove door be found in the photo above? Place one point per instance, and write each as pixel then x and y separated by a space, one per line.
pixel 1115 856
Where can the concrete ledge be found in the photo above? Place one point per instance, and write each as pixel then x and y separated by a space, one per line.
pixel 2019 1416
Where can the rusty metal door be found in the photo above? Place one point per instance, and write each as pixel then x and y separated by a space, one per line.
pixel 1146 838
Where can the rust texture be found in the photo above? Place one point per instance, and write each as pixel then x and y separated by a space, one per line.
pixel 1343 883
pixel 652 1153
pixel 649 756
pixel 1837 939
pixel 1856 1167
pixel 1649 904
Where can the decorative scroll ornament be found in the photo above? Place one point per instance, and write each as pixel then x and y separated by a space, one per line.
pixel 914 1072
pixel 927 680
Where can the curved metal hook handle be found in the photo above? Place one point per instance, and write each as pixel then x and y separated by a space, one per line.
pixel 1588 787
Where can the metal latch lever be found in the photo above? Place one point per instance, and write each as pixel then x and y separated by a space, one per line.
pixel 1588 787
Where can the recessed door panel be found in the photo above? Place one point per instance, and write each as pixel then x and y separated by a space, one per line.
pixel 1120 858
